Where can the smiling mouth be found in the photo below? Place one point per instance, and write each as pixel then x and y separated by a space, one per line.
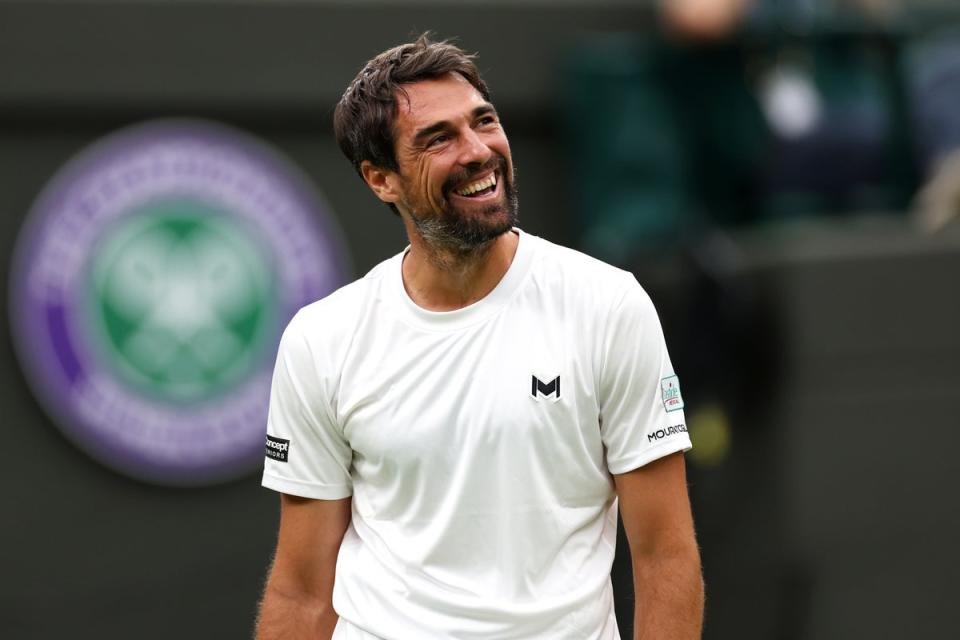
pixel 478 188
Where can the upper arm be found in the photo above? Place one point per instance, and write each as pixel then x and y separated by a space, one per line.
pixel 312 457
pixel 641 410
pixel 655 508
pixel 667 579
pixel 310 535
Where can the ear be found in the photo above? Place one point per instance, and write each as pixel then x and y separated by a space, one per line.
pixel 383 182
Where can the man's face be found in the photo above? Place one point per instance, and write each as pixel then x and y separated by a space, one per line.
pixel 455 177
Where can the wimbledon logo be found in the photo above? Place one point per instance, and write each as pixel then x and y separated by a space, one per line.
pixel 150 286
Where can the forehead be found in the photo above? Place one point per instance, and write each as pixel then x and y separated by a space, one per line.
pixel 427 102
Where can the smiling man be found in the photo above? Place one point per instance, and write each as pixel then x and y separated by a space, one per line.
pixel 451 434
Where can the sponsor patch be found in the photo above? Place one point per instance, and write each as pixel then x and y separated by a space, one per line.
pixel 670 391
pixel 549 389
pixel 277 448
pixel 666 431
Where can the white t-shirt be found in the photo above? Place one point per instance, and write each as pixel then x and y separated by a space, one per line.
pixel 478 444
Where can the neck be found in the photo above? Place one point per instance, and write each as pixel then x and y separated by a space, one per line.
pixel 441 279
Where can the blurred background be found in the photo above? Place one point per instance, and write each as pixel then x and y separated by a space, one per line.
pixel 783 177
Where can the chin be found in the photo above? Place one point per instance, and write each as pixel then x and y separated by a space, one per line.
pixel 467 229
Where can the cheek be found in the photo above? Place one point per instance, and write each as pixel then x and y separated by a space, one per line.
pixel 502 147
pixel 430 183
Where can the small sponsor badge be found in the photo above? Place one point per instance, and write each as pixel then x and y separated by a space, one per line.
pixel 670 390
pixel 548 387
pixel 672 430
pixel 277 448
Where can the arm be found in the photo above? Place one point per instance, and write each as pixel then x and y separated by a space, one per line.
pixel 666 561
pixel 297 602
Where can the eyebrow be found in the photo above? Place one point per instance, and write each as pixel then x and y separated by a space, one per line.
pixel 424 133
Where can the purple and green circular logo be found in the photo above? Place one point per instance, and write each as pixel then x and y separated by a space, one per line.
pixel 150 285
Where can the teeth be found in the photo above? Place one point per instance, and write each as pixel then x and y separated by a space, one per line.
pixel 478 186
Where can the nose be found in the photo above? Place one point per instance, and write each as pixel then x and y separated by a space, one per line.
pixel 474 150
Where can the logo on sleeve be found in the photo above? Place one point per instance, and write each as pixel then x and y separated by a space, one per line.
pixel 546 389
pixel 666 431
pixel 670 391
pixel 277 448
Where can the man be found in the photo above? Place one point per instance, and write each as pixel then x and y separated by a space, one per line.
pixel 450 433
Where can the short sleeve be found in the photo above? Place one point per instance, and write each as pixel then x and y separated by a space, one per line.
pixel 306 452
pixel 641 408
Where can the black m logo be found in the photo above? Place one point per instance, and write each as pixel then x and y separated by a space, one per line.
pixel 545 389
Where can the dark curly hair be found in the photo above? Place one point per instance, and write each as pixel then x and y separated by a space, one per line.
pixel 363 121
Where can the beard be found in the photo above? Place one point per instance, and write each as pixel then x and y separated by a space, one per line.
pixel 466 232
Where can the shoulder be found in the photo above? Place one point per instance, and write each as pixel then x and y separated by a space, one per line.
pixel 582 277
pixel 332 321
